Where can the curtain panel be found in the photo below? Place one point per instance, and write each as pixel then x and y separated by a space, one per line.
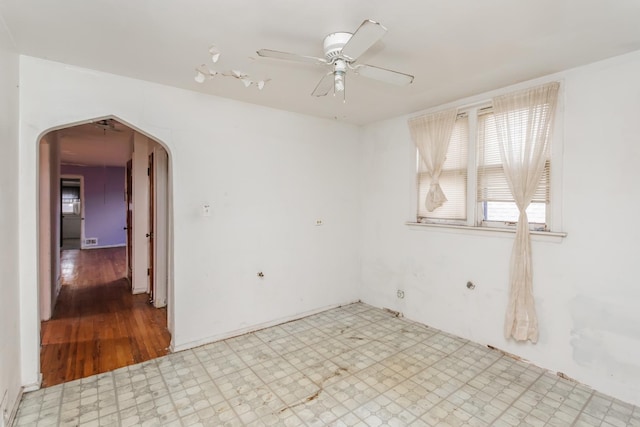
pixel 431 135
pixel 524 123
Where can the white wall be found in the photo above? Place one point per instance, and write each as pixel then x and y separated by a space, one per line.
pixel 586 287
pixel 267 174
pixel 9 291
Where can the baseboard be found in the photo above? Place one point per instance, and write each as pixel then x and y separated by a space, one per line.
pixel 33 386
pixel 16 404
pixel 14 409
pixel 122 245
pixel 185 346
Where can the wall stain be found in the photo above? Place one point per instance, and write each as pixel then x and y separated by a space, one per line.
pixel 605 337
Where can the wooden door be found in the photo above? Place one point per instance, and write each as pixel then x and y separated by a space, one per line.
pixel 151 227
pixel 129 226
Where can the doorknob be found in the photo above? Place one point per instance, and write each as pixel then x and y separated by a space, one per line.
pixel 149 235
pixel 124 228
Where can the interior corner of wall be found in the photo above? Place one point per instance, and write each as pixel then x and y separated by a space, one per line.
pixel 137 291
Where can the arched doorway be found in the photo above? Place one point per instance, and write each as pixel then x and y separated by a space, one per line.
pixel 103 306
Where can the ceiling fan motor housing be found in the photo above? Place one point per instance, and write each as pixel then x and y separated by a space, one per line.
pixel 333 45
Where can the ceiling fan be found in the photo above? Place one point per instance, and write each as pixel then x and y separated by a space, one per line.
pixel 341 51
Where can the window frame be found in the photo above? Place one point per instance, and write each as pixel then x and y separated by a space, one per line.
pixel 475 212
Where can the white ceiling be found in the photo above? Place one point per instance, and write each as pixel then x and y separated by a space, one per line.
pixel 92 145
pixel 455 48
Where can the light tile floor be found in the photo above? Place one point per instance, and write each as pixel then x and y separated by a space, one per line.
pixel 351 366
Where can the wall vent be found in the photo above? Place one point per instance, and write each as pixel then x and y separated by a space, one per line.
pixel 92 241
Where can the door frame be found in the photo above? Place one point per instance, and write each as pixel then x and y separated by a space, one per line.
pixel 129 200
pixel 151 286
pixel 81 179
pixel 160 224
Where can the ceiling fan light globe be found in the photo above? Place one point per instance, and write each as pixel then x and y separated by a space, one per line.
pixel 215 53
pixel 200 77
pixel 339 82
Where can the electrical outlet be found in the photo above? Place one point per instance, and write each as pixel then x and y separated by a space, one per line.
pixel 400 294
pixel 318 222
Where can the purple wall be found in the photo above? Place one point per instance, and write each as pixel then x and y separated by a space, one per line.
pixel 105 214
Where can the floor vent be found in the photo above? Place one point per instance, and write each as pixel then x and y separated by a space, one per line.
pixel 93 241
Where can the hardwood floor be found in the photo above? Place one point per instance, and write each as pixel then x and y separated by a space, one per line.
pixel 98 325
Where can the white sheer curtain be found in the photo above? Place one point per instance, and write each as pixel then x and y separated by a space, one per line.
pixel 524 122
pixel 431 134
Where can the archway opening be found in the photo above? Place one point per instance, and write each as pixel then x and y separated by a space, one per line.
pixel 107 302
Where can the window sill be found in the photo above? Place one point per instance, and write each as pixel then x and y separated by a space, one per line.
pixel 544 236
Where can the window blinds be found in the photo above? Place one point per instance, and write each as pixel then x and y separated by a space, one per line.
pixel 70 193
pixel 492 182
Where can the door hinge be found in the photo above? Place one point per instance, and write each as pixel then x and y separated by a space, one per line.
pixel 148 272
pixel 148 171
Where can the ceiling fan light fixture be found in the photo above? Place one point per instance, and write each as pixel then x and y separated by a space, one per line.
pixel 339 71
pixel 203 72
pixel 339 81
pixel 200 77
pixel 215 54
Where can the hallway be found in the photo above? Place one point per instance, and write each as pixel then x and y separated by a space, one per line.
pixel 98 325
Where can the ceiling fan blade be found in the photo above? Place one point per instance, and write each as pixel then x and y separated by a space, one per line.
pixel 365 36
pixel 324 86
pixel 384 75
pixel 268 53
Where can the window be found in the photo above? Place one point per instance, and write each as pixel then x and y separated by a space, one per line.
pixel 496 204
pixel 474 182
pixel 71 200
